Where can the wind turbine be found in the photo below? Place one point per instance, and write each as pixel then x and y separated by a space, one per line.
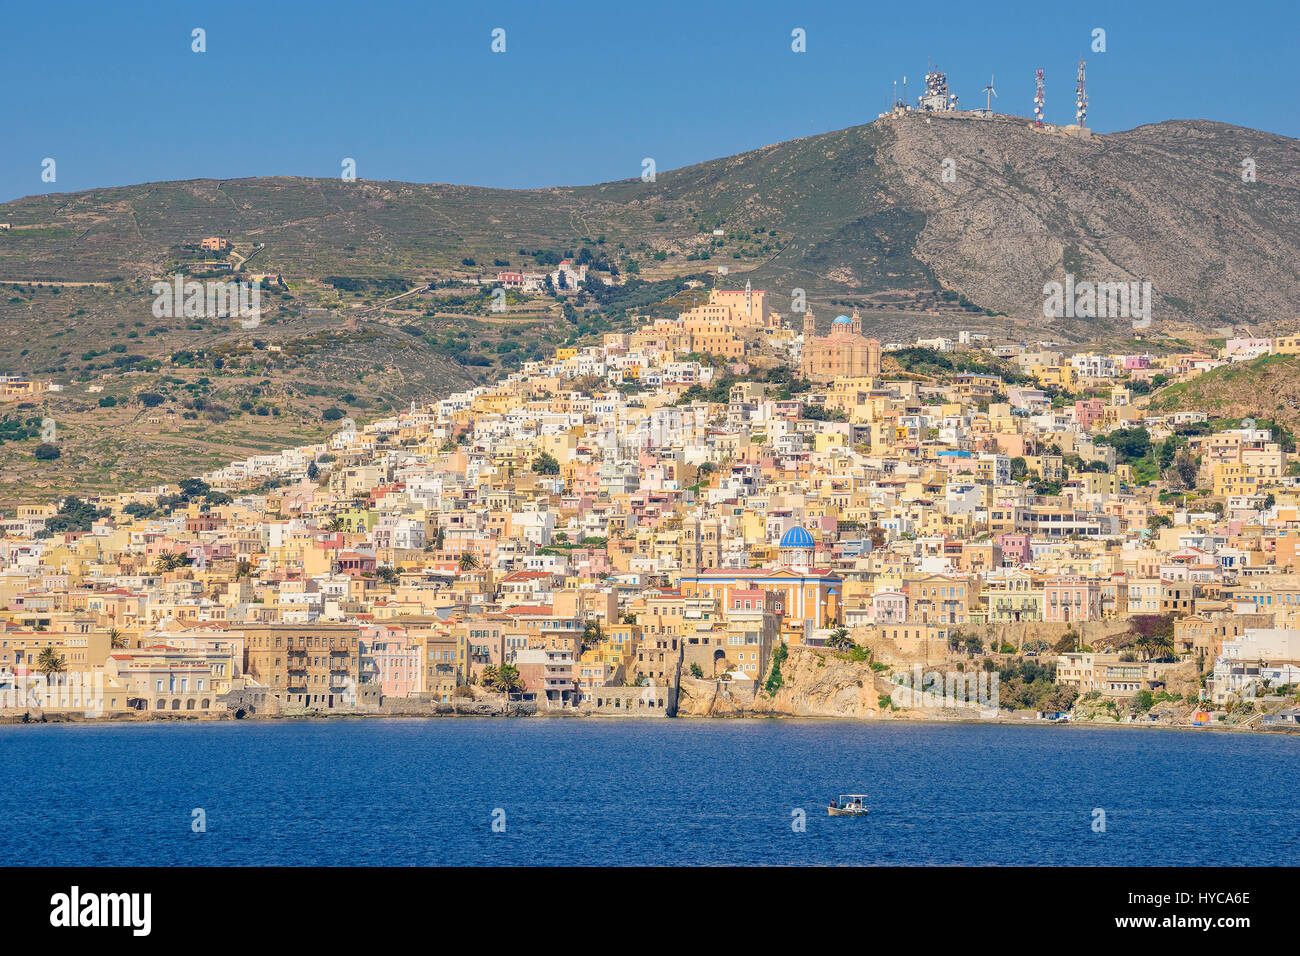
pixel 989 93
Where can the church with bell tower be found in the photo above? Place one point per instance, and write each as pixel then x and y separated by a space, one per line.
pixel 844 353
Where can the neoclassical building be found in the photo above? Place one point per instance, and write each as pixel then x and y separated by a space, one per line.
pixel 844 353
pixel 806 597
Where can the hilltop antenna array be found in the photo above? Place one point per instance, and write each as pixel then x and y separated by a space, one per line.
pixel 1081 100
pixel 936 99
pixel 1040 98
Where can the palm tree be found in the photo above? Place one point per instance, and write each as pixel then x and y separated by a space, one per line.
pixel 468 562
pixel 171 561
pixel 1161 645
pixel 839 638
pixel 504 678
pixel 116 639
pixel 508 679
pixel 50 662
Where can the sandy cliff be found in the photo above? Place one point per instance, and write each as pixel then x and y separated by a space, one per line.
pixel 815 683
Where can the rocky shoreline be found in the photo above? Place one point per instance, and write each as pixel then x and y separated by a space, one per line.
pixel 815 684
pixel 919 718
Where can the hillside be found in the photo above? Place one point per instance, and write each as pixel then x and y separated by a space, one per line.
pixel 1267 389
pixel 854 214
pixel 859 218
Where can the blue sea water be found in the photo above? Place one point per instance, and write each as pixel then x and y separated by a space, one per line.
pixel 659 792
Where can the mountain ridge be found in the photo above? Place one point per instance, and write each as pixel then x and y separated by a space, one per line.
pixel 863 214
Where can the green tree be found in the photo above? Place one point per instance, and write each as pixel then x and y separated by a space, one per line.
pixel 505 679
pixel 194 488
pixel 1186 468
pixel 591 634
pixel 774 679
pixel 545 464
pixel 1130 444
pixel 74 515
pixel 171 561
pixel 1157 521
pixel 839 638
pixel 50 662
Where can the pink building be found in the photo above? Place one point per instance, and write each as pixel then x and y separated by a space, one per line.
pixel 889 607
pixel 752 599
pixel 391 660
pixel 1072 599
pixel 1089 412
pixel 1016 550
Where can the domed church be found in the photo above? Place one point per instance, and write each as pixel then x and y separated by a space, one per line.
pixel 796 548
pixel 844 353
pixel 807 597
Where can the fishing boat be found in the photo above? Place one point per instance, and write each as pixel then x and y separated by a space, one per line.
pixel 848 805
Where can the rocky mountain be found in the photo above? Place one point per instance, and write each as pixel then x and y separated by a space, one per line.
pixel 859 217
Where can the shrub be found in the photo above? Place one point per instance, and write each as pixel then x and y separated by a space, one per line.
pixel 46 451
pixel 774 680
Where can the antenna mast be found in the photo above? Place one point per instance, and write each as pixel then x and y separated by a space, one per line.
pixel 1081 100
pixel 1040 98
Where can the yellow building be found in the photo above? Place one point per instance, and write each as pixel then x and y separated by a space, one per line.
pixel 844 353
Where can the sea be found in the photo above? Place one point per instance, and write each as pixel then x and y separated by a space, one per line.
pixel 613 792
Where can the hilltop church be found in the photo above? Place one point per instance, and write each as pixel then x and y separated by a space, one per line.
pixel 844 353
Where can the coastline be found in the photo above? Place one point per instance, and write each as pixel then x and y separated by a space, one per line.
pixel 932 721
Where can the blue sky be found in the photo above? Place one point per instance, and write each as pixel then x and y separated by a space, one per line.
pixel 583 92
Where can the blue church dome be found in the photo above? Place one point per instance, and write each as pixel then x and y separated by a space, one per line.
pixel 796 537
pixel 842 320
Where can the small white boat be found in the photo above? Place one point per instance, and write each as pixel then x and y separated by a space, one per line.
pixel 848 805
